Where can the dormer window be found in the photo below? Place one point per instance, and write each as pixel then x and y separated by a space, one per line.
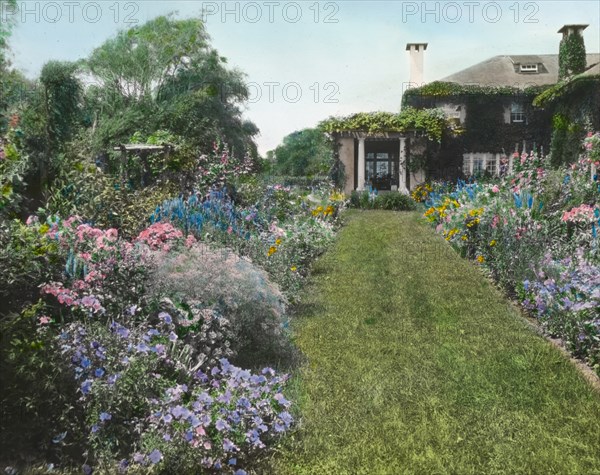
pixel 529 68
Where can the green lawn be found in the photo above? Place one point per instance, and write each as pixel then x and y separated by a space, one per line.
pixel 417 364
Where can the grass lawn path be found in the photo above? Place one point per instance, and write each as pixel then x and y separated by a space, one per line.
pixel 417 364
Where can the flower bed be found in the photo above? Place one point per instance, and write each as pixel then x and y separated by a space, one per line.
pixel 157 352
pixel 536 231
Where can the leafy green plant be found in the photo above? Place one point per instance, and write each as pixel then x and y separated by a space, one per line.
pixel 431 122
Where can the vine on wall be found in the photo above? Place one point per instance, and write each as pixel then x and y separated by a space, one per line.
pixel 431 122
pixel 571 55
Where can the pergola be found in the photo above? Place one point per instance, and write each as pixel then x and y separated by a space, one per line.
pixel 363 136
pixel 142 150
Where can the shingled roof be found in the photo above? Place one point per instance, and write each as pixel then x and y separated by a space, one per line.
pixel 505 70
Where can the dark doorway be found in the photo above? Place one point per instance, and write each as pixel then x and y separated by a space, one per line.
pixel 381 163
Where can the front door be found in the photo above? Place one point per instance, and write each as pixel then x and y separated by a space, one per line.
pixel 381 162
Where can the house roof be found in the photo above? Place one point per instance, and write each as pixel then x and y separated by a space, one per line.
pixel 504 70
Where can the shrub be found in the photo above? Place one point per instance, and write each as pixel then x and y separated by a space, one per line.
pixel 394 201
pixel 233 286
pixel 389 201
pixel 27 258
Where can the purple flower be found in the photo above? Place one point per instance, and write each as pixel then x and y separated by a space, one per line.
pixel 172 336
pixel 229 446
pixel 105 416
pixel 86 386
pixel 277 427
pixel 142 348
pixel 99 372
pixel 165 317
pixel 221 425
pixel 87 469
pixel 155 456
pixel 225 397
pixel 287 418
pixel 85 363
pixel 281 400
pixel 122 331
pixel 138 458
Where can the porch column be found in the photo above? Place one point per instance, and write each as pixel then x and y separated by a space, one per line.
pixel 497 171
pixel 402 167
pixel 361 164
pixel 471 159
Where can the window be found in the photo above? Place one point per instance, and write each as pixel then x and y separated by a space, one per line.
pixel 517 113
pixel 529 68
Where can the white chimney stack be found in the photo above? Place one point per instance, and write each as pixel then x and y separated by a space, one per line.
pixel 416 53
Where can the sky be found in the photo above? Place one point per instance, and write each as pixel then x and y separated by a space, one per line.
pixel 306 60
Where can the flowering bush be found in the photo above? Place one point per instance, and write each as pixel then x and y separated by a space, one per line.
pixel 219 279
pixel 134 321
pixel 146 403
pixel 282 231
pixel 565 296
pixel 421 192
pixel 220 167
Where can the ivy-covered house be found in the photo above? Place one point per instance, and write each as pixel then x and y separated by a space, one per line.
pixel 493 103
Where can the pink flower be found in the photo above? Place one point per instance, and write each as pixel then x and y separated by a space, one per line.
pixel 44 320
pixel 32 220
pixel 495 189
pixel 190 240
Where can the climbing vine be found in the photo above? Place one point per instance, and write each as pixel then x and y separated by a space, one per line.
pixel 439 89
pixel 575 109
pixel 432 122
pixel 571 55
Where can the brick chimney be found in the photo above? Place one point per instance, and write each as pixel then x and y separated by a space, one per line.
pixel 416 53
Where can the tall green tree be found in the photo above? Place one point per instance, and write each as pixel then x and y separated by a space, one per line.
pixel 164 75
pixel 303 153
pixel 7 22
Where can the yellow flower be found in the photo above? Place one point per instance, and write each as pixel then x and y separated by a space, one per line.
pixel 480 259
pixel 278 241
pixel 492 243
pixel 272 250
pixel 464 238
pixel 329 210
pixel 293 268
pixel 337 196
pixel 44 228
